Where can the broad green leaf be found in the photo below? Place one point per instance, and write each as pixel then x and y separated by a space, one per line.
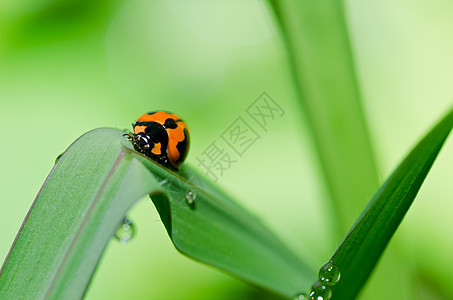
pixel 73 217
pixel 89 191
pixel 360 250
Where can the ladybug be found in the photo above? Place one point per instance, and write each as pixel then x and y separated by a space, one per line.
pixel 163 137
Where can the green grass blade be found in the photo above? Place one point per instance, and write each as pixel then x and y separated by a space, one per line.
pixel 90 190
pixel 321 61
pixel 73 217
pixel 360 250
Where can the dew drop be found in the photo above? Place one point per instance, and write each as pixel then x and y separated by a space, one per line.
pixel 301 296
pixel 320 292
pixel 58 157
pixel 190 199
pixel 329 274
pixel 125 231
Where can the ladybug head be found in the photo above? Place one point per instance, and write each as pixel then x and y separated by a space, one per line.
pixel 141 142
pixel 153 143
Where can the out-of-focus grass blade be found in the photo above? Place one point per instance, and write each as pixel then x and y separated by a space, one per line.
pixel 75 214
pixel 360 250
pixel 321 62
pixel 88 193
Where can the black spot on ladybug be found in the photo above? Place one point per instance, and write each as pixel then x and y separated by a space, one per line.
pixel 170 123
pixel 182 147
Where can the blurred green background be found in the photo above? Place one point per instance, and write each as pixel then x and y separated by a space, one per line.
pixel 67 67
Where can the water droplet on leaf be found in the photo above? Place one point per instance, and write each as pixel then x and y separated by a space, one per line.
pixel 320 292
pixel 125 231
pixel 329 274
pixel 190 199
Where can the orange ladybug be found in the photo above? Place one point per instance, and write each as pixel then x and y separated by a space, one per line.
pixel 163 137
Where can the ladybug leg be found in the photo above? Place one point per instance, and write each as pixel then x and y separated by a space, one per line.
pixel 129 136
